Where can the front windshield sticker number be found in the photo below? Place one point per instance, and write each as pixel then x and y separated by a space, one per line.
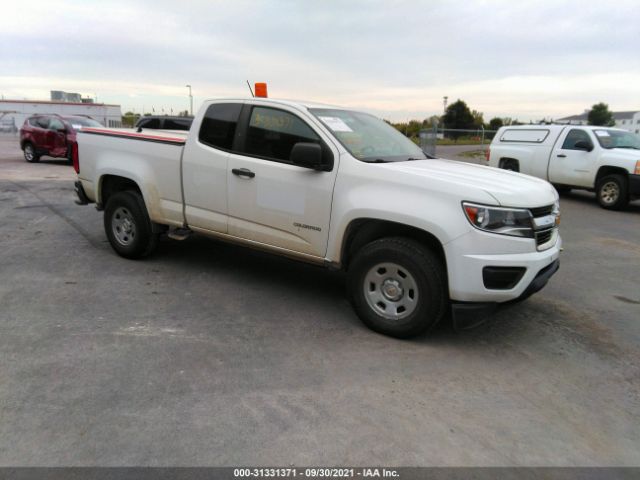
pixel 336 124
pixel 602 133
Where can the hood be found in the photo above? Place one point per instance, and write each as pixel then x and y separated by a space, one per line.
pixel 623 154
pixel 510 189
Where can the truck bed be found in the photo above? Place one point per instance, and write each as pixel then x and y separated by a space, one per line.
pixel 151 158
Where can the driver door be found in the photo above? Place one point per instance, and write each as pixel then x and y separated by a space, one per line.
pixel 572 163
pixel 271 201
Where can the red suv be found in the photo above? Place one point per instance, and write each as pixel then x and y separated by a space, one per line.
pixel 51 135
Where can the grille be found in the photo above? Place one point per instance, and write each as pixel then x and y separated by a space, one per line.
pixel 541 211
pixel 543 236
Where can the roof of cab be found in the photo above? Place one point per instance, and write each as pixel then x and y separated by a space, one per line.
pixel 276 101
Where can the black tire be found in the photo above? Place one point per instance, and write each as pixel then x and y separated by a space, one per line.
pixel 562 189
pixel 424 282
pixel 127 225
pixel 511 165
pixel 30 154
pixel 612 192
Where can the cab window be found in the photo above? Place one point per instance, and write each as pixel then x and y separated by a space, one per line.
pixel 219 124
pixel 574 136
pixel 272 133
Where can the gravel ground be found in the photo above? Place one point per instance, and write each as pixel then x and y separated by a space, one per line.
pixel 210 354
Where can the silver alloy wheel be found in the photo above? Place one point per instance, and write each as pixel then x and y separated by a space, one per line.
pixel 391 291
pixel 28 152
pixel 123 226
pixel 609 193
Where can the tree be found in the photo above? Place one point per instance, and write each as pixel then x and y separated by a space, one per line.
pixel 478 119
pixel 130 118
pixel 458 116
pixel 601 115
pixel 511 121
pixel 495 123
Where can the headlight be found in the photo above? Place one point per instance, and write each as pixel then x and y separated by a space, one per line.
pixel 505 221
pixel 556 212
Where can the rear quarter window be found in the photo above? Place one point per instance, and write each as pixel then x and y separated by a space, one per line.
pixel 533 135
pixel 219 124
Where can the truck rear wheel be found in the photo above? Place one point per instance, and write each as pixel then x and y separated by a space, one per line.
pixel 510 164
pixel 128 226
pixel 398 287
pixel 613 192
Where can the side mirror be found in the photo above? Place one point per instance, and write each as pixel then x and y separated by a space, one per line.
pixel 308 155
pixel 583 145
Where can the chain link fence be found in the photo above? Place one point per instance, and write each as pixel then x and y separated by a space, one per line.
pixel 431 138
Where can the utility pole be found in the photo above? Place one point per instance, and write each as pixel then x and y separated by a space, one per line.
pixel 190 99
pixel 444 102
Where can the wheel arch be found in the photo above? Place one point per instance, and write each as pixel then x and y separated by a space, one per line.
pixel 504 160
pixel 362 231
pixel 110 184
pixel 609 170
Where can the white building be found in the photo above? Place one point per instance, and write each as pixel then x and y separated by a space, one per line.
pixel 629 121
pixel 19 110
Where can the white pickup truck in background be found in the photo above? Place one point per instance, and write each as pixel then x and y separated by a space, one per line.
pixel 333 187
pixel 600 159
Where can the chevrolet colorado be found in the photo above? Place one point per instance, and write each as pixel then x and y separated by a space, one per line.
pixel 333 187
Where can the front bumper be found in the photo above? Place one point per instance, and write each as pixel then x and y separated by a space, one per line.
pixel 469 255
pixel 469 315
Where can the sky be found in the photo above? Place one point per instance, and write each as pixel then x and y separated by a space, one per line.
pixel 397 59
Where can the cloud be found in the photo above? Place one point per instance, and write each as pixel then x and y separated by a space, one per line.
pixel 524 59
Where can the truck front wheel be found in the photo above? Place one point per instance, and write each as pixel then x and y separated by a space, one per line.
pixel 128 226
pixel 613 192
pixel 398 287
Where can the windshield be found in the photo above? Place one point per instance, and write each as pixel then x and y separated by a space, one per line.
pixel 79 122
pixel 610 138
pixel 368 138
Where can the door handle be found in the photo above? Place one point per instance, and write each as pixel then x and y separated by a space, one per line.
pixel 243 172
pixel 562 155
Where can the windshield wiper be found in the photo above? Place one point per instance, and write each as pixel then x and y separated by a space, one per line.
pixel 411 158
pixel 377 160
pixel 627 146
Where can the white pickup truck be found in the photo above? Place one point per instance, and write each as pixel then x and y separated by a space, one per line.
pixel 600 159
pixel 333 187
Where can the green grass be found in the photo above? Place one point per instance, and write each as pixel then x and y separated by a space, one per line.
pixel 472 154
pixel 462 141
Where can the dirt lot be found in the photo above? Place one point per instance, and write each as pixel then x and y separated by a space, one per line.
pixel 209 354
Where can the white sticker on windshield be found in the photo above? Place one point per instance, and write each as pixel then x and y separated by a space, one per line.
pixel 336 124
pixel 602 133
pixel 77 127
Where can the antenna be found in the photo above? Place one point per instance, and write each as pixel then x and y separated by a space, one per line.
pixel 250 89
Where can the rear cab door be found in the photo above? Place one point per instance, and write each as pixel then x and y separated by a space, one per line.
pixel 573 158
pixel 204 166
pixel 270 200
